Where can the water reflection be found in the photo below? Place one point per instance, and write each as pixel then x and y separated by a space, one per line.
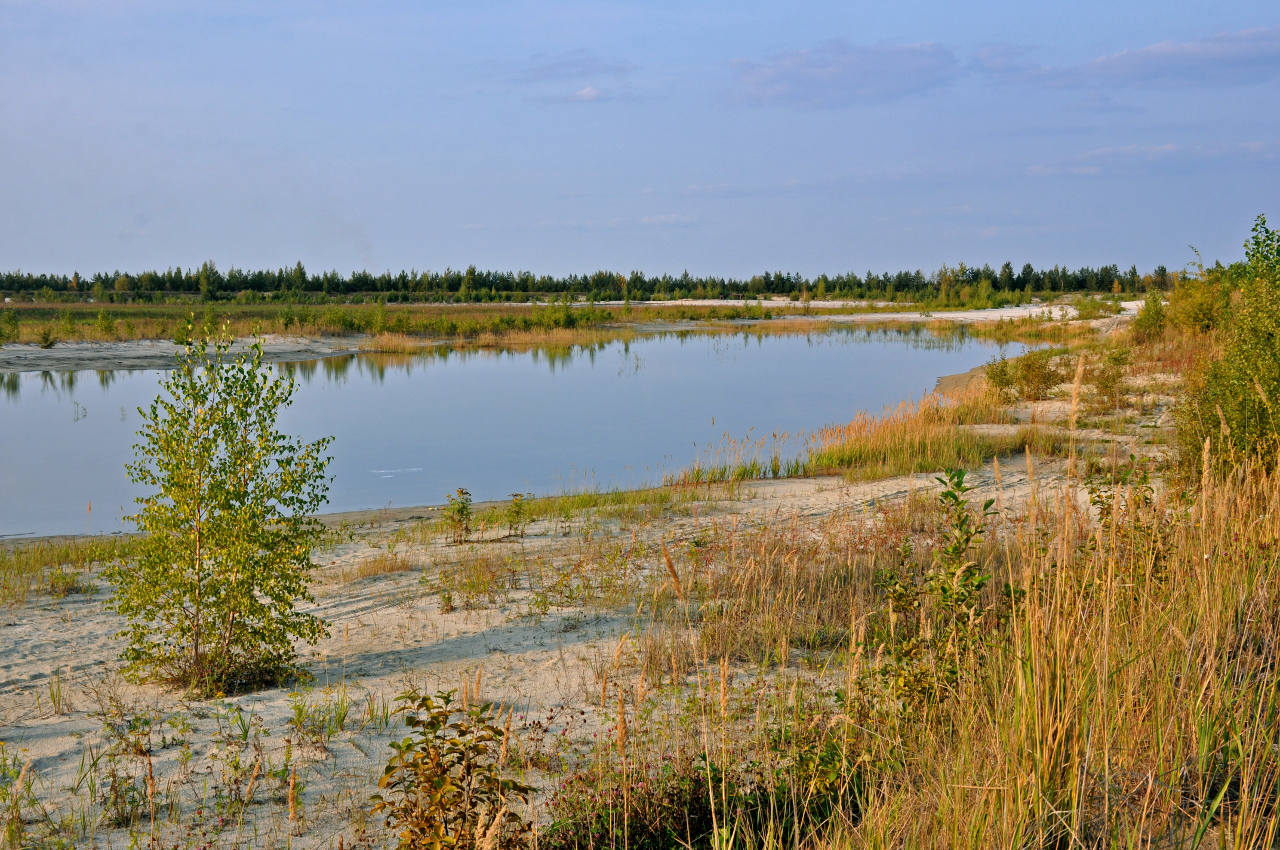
pixel 410 428
pixel 557 357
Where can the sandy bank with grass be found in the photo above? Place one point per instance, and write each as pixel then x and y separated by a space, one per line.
pixel 155 353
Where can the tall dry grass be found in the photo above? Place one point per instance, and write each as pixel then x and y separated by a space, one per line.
pixel 924 436
pixel 1120 688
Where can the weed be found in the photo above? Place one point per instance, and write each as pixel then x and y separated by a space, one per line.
pixel 457 514
pixel 517 514
pixel 318 717
pixel 445 784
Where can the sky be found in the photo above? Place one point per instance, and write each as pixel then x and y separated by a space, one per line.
pixel 722 138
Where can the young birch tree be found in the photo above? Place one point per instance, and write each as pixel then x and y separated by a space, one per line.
pixel 227 526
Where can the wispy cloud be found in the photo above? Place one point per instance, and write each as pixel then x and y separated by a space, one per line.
pixel 1168 157
pixel 1226 59
pixel 588 94
pixel 574 76
pixel 838 73
pixel 1237 58
pixel 669 220
pixel 579 64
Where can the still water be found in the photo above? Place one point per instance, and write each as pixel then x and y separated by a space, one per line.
pixel 409 429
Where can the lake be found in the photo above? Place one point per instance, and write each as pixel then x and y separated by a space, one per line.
pixel 410 429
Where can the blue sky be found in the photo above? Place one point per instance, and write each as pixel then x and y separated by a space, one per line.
pixel 719 137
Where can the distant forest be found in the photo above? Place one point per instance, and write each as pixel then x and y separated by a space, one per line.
pixel 960 284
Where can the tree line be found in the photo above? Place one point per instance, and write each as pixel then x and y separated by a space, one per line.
pixel 959 284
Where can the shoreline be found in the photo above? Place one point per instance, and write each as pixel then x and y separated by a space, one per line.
pixel 157 353
pixel 160 354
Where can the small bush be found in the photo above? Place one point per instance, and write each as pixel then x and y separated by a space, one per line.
pixel 1234 403
pixel 1035 373
pixel 672 804
pixel 444 786
pixel 1000 377
pixel 105 325
pixel 1088 308
pixel 1150 322
pixel 517 513
pixel 1201 302
pixel 457 513
pixel 1107 377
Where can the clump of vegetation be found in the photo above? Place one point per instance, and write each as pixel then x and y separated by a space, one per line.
pixel 445 785
pixel 1150 322
pixel 926 436
pixel 1201 302
pixel 227 528
pixel 1108 377
pixel 517 513
pixel 1232 407
pixel 1088 308
pixel 1035 373
pixel 56 566
pixel 1030 376
pixel 457 514
pixel 15 796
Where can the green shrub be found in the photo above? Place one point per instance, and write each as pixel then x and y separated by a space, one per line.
pixel 668 804
pixel 1200 302
pixel 1089 308
pixel 444 786
pixel 1107 377
pixel 1234 403
pixel 1035 373
pixel 105 325
pixel 457 513
pixel 1000 377
pixel 1150 322
pixel 517 513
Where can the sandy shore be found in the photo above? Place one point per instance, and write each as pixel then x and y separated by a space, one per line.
pixel 156 353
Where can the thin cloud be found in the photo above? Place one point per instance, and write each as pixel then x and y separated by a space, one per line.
pixel 1238 58
pixel 1167 158
pixel 587 94
pixel 838 74
pixel 668 220
pixel 577 64
pixel 1226 59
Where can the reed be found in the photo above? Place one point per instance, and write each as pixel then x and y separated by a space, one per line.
pixel 923 436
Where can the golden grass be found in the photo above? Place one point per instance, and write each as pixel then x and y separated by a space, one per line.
pixel 384 563
pixel 924 436
pixel 1122 692
pixel 57 566
pixel 1056 331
